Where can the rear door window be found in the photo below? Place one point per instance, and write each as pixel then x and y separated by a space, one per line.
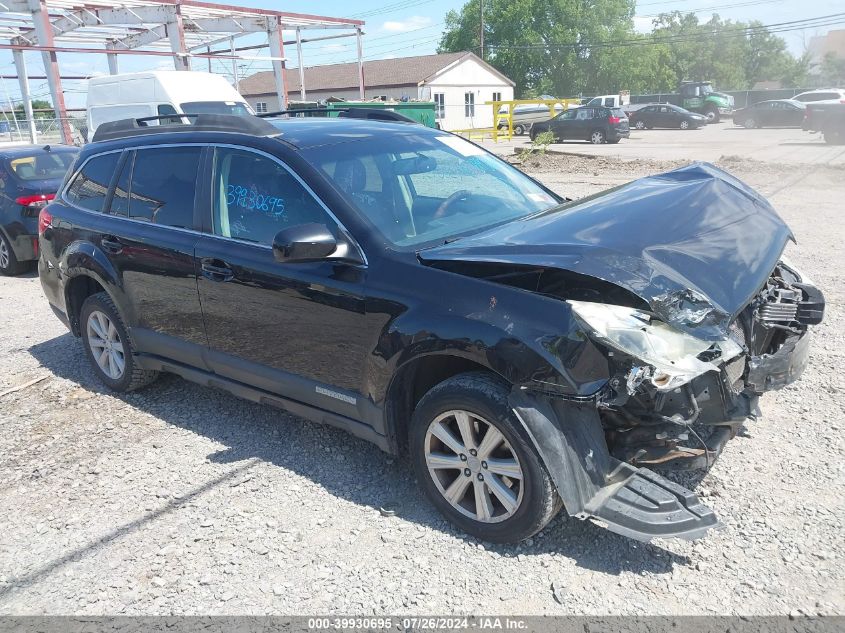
pixel 162 185
pixel 88 190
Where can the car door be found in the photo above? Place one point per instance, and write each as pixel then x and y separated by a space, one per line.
pixel 563 124
pixel 296 329
pixel 583 123
pixel 148 231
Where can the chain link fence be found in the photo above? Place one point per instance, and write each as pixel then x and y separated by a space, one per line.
pixel 47 130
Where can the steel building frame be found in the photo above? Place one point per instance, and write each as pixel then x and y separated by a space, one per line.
pixel 181 29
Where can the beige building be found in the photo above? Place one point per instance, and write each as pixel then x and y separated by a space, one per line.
pixel 821 45
pixel 458 83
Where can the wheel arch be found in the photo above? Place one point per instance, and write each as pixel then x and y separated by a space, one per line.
pixel 413 379
pixel 89 271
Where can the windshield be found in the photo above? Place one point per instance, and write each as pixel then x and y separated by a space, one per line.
pixel 706 89
pixel 41 166
pixel 428 188
pixel 216 107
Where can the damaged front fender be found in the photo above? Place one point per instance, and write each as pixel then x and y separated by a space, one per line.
pixel 630 501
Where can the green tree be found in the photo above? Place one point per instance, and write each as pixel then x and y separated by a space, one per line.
pixel 37 104
pixel 546 46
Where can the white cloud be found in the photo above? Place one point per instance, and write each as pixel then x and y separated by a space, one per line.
pixel 642 25
pixel 400 26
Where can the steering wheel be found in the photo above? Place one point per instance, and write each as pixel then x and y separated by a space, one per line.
pixel 461 194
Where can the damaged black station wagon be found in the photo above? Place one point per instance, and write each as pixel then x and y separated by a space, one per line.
pixel 526 352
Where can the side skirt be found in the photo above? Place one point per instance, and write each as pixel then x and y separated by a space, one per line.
pixel 313 414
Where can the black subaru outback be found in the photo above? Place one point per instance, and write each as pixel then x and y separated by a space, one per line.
pixel 526 352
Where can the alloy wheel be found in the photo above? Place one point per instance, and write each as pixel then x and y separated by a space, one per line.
pixel 597 137
pixel 105 344
pixel 4 255
pixel 473 466
pixel 750 123
pixel 684 125
pixel 640 125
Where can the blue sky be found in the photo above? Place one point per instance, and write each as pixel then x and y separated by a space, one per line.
pixel 396 28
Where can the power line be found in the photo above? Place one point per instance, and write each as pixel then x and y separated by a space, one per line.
pixel 390 8
pixel 793 25
pixel 714 8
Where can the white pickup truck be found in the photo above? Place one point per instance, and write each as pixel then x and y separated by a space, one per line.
pixel 611 101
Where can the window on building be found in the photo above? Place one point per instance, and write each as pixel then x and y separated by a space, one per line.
pixel 469 104
pixel 497 96
pixel 260 106
pixel 439 105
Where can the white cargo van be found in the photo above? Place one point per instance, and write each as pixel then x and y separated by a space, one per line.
pixel 160 92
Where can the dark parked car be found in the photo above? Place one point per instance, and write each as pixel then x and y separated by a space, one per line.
pixel 524 351
pixel 595 124
pixel 29 177
pixel 666 115
pixel 777 113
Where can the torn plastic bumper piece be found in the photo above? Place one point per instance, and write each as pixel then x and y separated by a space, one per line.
pixel 592 484
pixel 785 366
pixel 646 505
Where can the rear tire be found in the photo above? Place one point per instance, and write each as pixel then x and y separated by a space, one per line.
pixel 505 503
pixel 597 137
pixel 108 347
pixel 640 125
pixel 750 123
pixel 9 264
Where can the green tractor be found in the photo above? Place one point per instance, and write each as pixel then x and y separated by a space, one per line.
pixel 699 96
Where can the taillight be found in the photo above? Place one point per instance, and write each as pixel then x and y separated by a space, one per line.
pixel 38 201
pixel 613 120
pixel 44 221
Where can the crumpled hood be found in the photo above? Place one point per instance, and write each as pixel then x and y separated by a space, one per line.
pixel 695 243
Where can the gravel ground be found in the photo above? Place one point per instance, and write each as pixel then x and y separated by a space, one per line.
pixel 185 500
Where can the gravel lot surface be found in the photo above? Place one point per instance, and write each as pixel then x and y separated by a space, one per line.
pixel 185 500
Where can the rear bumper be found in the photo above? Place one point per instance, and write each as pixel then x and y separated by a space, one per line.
pixel 616 134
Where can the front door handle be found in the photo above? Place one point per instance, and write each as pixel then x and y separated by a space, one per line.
pixel 216 270
pixel 111 245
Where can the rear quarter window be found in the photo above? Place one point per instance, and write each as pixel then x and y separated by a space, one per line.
pixel 88 189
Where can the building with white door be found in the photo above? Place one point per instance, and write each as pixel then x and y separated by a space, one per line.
pixel 458 83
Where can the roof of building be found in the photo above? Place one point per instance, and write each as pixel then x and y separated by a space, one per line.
pixel 407 71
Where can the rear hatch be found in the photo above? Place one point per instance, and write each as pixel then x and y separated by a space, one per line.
pixel 618 119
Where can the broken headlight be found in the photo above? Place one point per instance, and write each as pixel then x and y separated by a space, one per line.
pixel 672 356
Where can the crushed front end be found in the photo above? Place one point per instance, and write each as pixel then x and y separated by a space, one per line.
pixel 674 400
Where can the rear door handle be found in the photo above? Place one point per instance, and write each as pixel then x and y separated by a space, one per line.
pixel 111 245
pixel 216 270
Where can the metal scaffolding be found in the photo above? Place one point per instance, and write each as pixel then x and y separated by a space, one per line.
pixel 181 29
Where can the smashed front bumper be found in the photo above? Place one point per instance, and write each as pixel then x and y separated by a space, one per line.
pixel 633 502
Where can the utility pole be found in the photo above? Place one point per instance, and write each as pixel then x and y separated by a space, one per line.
pixel 481 30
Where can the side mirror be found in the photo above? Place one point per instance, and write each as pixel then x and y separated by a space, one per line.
pixel 303 243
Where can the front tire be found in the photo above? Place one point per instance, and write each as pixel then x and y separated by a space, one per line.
pixel 108 346
pixel 476 463
pixel 640 125
pixel 712 115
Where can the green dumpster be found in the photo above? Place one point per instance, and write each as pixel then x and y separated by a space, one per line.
pixel 419 111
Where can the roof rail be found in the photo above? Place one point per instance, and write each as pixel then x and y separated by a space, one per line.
pixel 373 114
pixel 177 123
